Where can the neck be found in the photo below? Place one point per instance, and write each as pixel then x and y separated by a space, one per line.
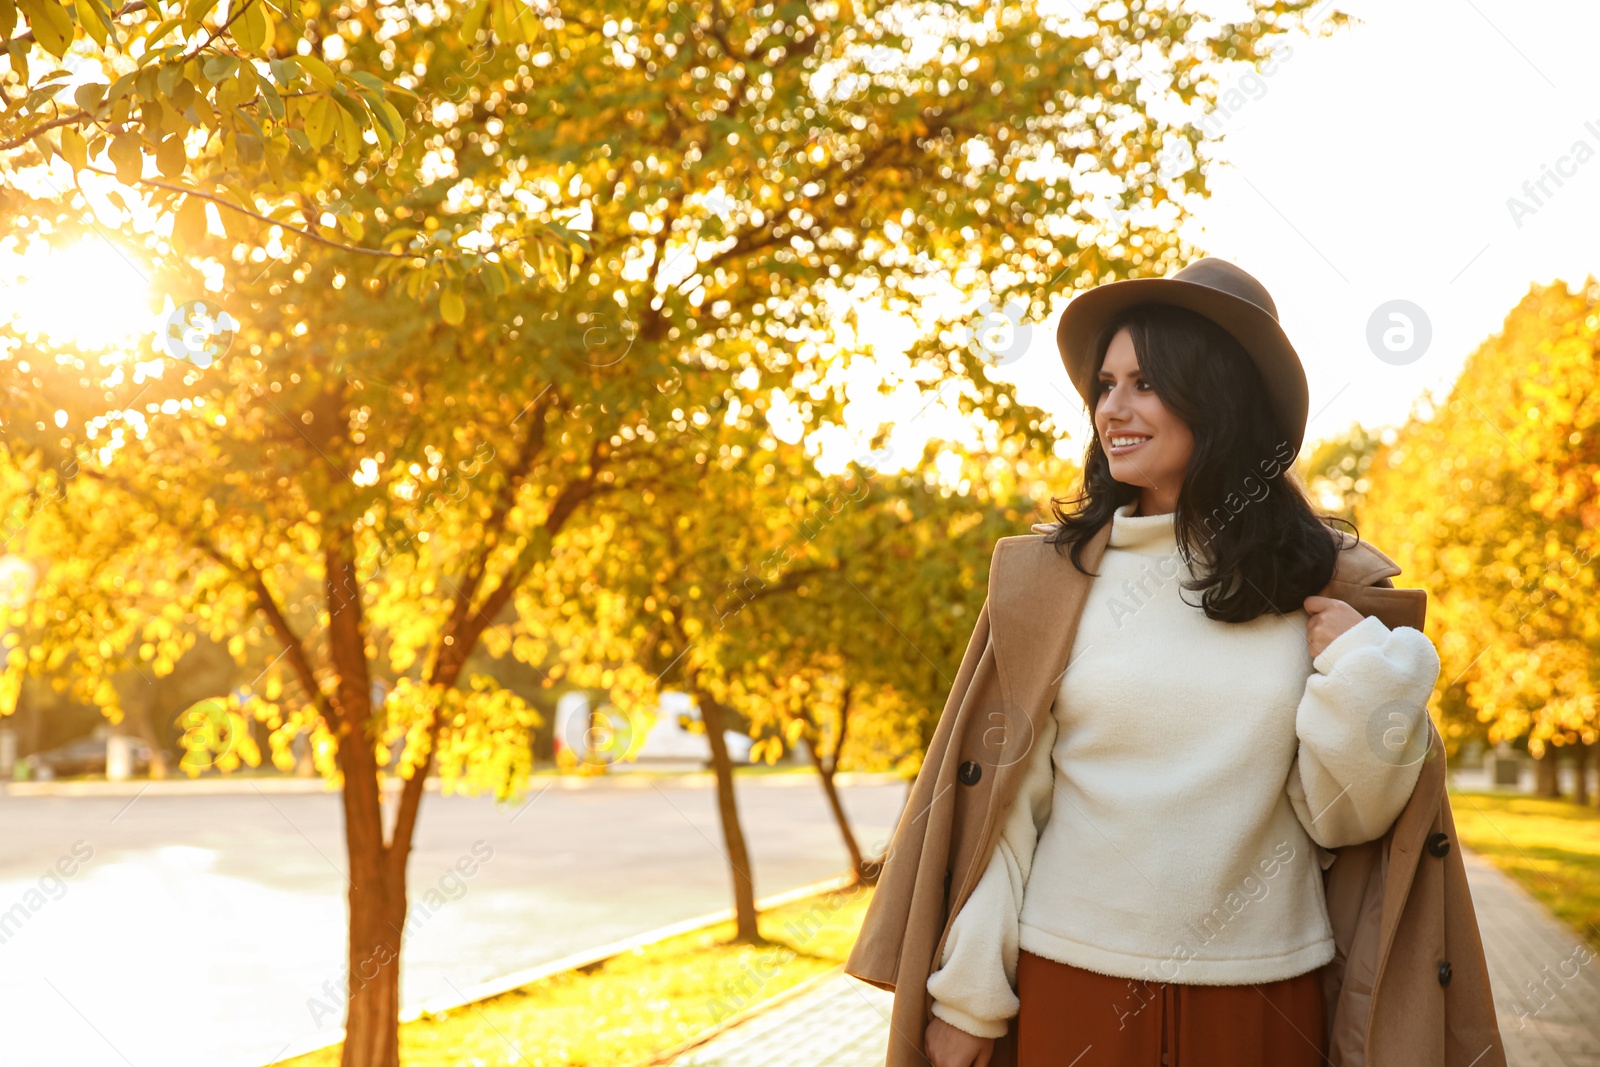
pixel 1152 502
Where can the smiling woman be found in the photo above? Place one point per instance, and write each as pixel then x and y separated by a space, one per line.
pixel 90 294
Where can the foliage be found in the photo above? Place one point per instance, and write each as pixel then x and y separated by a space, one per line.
pixel 1479 501
pixel 605 274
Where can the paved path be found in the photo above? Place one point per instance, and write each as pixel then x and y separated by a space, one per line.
pixel 1546 1018
pixel 845 1023
pixel 1546 981
pixel 234 906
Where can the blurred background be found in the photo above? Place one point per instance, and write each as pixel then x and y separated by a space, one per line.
pixel 495 494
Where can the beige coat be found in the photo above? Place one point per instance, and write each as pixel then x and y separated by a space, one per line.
pixel 1402 917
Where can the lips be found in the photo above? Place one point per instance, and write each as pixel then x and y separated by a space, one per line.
pixel 1123 450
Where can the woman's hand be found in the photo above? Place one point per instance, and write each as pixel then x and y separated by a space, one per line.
pixel 1329 619
pixel 951 1046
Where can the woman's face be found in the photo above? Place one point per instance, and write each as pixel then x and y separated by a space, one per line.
pixel 1161 443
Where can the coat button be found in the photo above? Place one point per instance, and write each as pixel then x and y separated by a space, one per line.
pixel 969 772
pixel 1439 844
pixel 1444 973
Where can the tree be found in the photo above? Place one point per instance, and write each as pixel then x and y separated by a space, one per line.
pixel 599 252
pixel 1477 498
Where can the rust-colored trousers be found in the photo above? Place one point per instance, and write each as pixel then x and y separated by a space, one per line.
pixel 1071 1017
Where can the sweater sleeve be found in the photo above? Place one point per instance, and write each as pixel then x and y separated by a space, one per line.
pixel 973 989
pixel 1362 728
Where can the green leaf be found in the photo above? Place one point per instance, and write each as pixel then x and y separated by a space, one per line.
pixel 494 279
pixel 269 96
pixel 473 21
pixel 218 68
pixel 299 140
pixel 317 69
pixel 349 137
pixel 319 122
pixel 451 307
pixel 284 72
pixel 371 81
pixel 396 123
pixel 8 20
pixel 168 78
pixel 348 102
pixel 252 29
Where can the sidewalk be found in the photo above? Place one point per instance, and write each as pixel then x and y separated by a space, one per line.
pixel 1546 1019
pixel 845 1023
pixel 627 775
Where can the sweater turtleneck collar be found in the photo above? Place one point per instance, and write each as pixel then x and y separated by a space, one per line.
pixel 1143 533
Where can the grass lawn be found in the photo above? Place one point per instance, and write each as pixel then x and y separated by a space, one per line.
pixel 1551 847
pixel 630 1007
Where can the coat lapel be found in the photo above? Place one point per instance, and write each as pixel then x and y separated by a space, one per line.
pixel 1036 597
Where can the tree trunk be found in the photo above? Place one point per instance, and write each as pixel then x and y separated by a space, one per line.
pixel 744 890
pixel 1580 766
pixel 377 920
pixel 377 870
pixel 826 770
pixel 826 773
pixel 1545 783
pixel 139 718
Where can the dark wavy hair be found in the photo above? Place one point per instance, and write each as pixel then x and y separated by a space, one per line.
pixel 1243 520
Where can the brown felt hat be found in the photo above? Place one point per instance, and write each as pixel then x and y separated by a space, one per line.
pixel 1222 293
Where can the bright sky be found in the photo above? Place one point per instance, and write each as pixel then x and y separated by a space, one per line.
pixel 1376 165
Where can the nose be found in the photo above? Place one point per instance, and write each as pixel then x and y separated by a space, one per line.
pixel 1111 406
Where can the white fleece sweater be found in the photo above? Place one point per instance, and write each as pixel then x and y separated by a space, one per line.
pixel 1165 825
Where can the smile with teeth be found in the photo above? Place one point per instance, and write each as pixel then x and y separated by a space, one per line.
pixel 1124 443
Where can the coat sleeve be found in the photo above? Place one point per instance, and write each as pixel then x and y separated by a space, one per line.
pixel 974 987
pixel 1360 725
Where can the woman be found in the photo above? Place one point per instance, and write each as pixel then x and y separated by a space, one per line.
pixel 1156 896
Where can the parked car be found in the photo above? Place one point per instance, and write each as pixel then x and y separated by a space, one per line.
pixel 87 755
pixel 670 739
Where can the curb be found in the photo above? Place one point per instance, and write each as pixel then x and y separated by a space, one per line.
pixel 244 786
pixel 589 958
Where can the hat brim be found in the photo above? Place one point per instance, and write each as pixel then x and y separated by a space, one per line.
pixel 1255 330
